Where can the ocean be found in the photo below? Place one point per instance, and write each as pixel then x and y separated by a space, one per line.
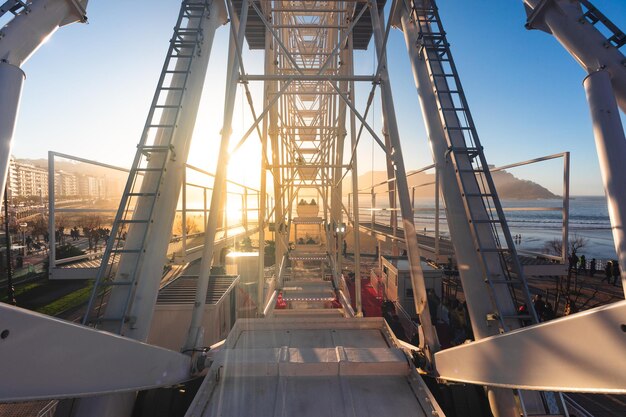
pixel 588 219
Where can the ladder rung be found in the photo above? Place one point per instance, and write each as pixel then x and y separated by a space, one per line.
pixel 478 195
pixel 492 250
pixel 452 109
pixel 458 127
pixel 148 169
pixel 463 149
pixel 504 281
pixel 167 106
pixel 110 319
pixel 155 148
pixel 182 55
pixel 482 221
pixel 142 194
pixel 162 126
pixel 116 283
pixel 103 319
pixel 517 316
pixel 132 221
pixel 126 250
pixel 187 31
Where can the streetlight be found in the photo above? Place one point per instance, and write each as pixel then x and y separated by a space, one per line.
pixel 23 227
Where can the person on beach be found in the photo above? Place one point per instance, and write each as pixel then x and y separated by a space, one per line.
pixel 592 267
pixel 608 270
pixel 615 272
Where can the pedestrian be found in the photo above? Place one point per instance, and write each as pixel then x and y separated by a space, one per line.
pixel 608 271
pixel 615 272
pixel 345 248
pixel 573 261
pixel 592 267
pixel 539 305
pixel 397 328
pixel 523 310
pixel 433 304
pixel 583 264
pixel 548 313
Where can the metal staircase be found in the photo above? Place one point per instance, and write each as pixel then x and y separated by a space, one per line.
pixel 490 232
pixel 149 166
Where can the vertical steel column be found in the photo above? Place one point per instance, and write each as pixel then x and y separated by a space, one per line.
pixel 611 147
pixel 431 342
pixel 184 214
pixel 11 81
pixel 21 37
pixel 279 215
pixel 587 45
pixel 565 233
pixel 479 303
pixel 263 188
pixel 51 215
pixel 391 192
pixel 373 216
pixel 194 336
pixel 436 214
pixel 355 187
pixel 244 209
pixel 341 133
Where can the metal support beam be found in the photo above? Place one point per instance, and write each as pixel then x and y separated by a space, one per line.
pixel 77 361
pixel 195 334
pixel 431 342
pixel 611 147
pixel 543 357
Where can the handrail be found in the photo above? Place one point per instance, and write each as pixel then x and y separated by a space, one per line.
pixel 401 312
pixel 345 303
pixel 271 303
pixel 49 409
pixel 201 171
pixel 78 258
pixel 281 271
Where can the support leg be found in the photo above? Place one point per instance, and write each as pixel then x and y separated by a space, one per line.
pixel 611 148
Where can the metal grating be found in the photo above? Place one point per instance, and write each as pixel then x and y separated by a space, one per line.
pixel 183 289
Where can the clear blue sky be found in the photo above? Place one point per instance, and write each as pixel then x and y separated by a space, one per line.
pixel 88 89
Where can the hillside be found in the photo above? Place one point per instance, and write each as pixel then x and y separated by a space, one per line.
pixel 507 185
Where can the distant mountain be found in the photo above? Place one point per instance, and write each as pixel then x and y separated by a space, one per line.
pixel 507 185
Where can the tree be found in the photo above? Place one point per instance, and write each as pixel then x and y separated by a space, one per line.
pixel 554 246
pixel 246 245
pixel 40 227
pixel 191 226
